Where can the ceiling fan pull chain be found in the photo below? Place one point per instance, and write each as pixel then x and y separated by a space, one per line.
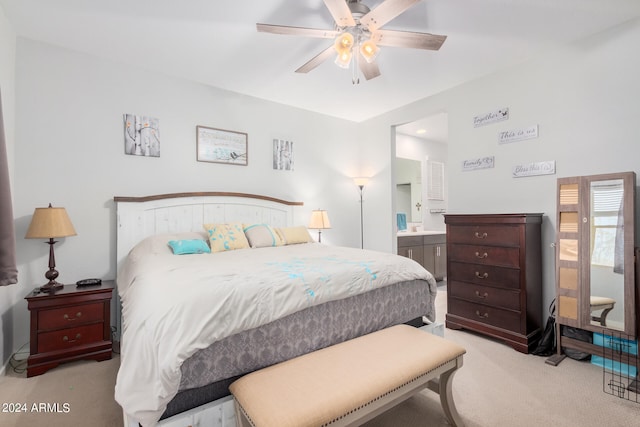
pixel 355 76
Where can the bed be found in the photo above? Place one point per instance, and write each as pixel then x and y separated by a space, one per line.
pixel 192 324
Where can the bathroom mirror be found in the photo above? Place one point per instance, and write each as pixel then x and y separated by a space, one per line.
pixel 408 175
pixel 608 245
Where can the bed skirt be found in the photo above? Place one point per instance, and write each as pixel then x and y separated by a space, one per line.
pixel 207 374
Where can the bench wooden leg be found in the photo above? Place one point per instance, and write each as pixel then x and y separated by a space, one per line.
pixel 444 387
pixel 241 418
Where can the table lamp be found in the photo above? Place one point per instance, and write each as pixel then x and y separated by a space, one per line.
pixel 50 223
pixel 319 221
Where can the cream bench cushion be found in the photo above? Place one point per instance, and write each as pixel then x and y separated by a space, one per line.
pixel 351 382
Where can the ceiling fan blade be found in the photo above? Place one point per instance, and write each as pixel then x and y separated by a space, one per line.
pixel 385 12
pixel 297 31
pixel 340 12
pixel 317 60
pixel 408 39
pixel 369 70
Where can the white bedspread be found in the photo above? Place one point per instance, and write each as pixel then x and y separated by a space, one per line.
pixel 174 305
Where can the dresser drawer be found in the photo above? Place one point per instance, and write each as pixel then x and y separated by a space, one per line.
pixel 508 278
pixel 70 316
pixel 501 318
pixel 496 297
pixel 485 255
pixel 484 235
pixel 64 339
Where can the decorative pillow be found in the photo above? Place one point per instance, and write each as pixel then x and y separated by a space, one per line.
pixel 193 246
pixel 226 237
pixel 294 235
pixel 157 244
pixel 262 235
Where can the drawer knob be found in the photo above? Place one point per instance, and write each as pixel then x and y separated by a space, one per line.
pixel 481 256
pixel 78 315
pixel 482 276
pixel 481 236
pixel 482 295
pixel 66 338
pixel 482 315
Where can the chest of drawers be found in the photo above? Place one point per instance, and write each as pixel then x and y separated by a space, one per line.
pixel 494 276
pixel 70 324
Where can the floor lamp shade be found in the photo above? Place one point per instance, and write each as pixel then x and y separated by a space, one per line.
pixel 50 223
pixel 319 221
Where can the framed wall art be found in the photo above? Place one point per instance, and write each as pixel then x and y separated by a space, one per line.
pixel 221 146
pixel 282 154
pixel 141 135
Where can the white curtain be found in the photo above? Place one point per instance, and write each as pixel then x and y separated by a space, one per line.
pixel 8 270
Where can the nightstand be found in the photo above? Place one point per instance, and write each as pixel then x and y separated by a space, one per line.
pixel 70 324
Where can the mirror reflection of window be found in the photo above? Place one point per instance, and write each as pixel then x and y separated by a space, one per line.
pixel 606 223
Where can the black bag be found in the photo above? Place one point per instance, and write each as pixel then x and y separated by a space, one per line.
pixel 576 334
pixel 547 344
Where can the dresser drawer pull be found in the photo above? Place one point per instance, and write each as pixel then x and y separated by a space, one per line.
pixel 483 296
pixel 481 236
pixel 482 276
pixel 78 315
pixel 484 255
pixel 483 315
pixel 66 338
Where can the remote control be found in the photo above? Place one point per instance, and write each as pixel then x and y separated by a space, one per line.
pixel 89 282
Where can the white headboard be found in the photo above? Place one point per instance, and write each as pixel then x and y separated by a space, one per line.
pixel 141 217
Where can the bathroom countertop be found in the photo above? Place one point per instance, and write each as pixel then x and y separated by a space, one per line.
pixel 419 233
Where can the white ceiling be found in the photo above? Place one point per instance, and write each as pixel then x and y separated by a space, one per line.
pixel 215 42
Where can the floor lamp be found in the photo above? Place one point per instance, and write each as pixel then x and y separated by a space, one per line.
pixel 361 182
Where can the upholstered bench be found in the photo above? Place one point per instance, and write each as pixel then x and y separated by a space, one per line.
pixel 351 382
pixel 601 303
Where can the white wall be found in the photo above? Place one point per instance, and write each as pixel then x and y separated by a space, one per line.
pixel 584 98
pixel 8 294
pixel 70 152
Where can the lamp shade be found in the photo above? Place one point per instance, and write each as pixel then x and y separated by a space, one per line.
pixel 369 51
pixel 361 181
pixel 48 223
pixel 319 220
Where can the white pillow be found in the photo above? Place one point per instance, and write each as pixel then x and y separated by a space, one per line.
pixel 262 235
pixel 159 244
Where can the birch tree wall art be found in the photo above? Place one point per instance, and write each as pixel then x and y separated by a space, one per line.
pixel 141 136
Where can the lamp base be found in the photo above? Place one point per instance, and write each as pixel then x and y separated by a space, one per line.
pixel 52 273
pixel 51 287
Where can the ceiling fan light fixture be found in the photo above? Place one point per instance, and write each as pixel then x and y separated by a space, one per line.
pixel 344 42
pixel 369 50
pixel 343 59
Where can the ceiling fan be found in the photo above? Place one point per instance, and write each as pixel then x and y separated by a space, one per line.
pixel 357 35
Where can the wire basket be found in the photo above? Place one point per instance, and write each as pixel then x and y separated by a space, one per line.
pixel 619 361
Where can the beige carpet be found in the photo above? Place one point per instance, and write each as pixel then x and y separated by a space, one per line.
pixel 496 387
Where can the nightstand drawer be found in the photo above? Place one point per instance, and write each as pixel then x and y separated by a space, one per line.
pixel 495 297
pixel 70 316
pixel 72 337
pixel 485 255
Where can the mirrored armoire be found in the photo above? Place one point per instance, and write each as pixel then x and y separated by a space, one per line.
pixel 596 286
